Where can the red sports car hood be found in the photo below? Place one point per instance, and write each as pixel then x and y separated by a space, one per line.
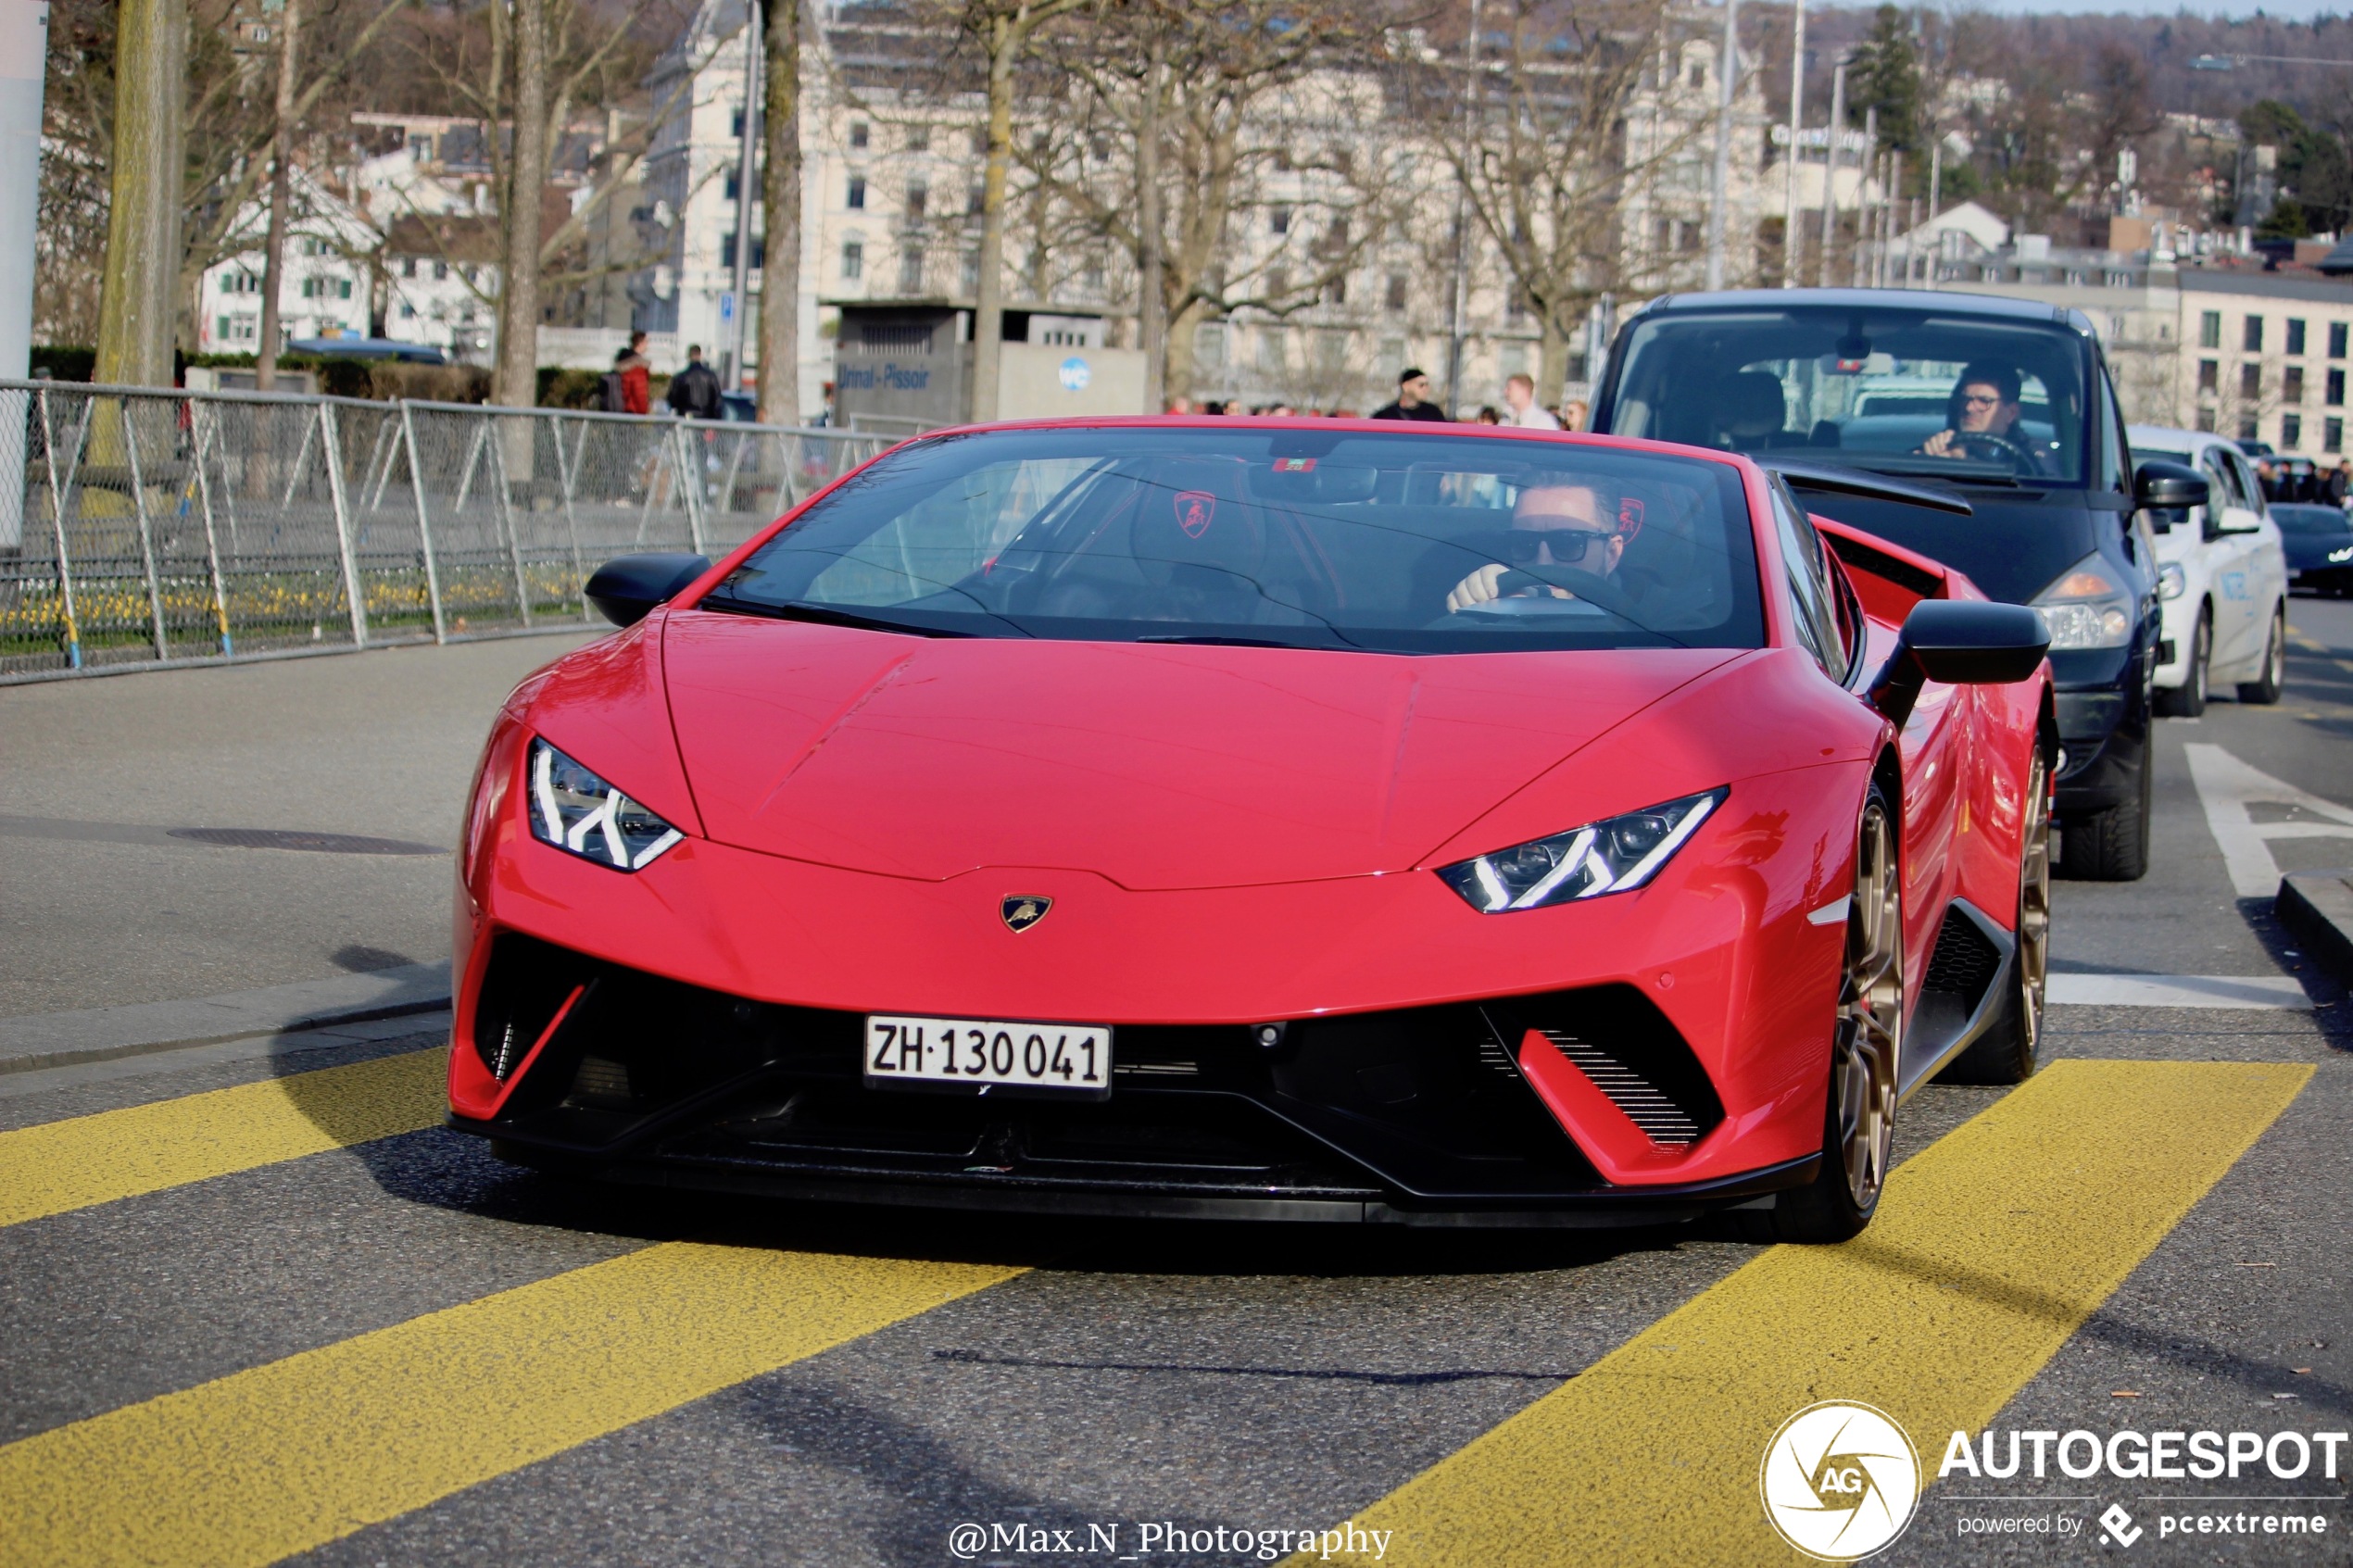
pixel 1156 766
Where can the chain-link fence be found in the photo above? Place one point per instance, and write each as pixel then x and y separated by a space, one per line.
pixel 142 526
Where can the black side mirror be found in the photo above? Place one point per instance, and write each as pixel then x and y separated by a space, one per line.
pixel 2168 486
pixel 627 587
pixel 1959 642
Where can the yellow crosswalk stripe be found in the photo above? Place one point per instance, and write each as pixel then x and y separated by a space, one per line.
pixel 59 1166
pixel 288 1456
pixel 1991 1247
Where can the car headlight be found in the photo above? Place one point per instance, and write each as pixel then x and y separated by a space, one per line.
pixel 2345 554
pixel 580 813
pixel 2086 607
pixel 2171 582
pixel 1612 856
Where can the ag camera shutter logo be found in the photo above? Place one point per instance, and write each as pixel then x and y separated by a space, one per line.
pixel 1076 373
pixel 1840 1480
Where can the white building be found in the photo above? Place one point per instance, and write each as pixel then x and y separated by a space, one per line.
pixel 323 291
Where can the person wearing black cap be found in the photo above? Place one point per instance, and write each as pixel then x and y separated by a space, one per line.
pixel 1413 401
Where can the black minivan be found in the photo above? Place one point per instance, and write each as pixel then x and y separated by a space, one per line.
pixel 2003 404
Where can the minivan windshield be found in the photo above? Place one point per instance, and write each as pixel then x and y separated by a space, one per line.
pixel 1286 537
pixel 1908 391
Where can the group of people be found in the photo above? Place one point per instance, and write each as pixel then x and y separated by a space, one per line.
pixel 2294 479
pixel 1417 400
pixel 694 391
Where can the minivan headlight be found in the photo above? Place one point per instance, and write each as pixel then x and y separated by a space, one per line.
pixel 2086 607
pixel 577 811
pixel 1612 856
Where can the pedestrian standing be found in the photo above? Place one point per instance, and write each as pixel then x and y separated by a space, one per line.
pixel 1414 400
pixel 633 377
pixel 1520 397
pixel 694 391
pixel 2340 482
pixel 1573 413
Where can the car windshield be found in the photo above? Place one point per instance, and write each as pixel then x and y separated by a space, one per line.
pixel 1291 537
pixel 2300 519
pixel 1906 391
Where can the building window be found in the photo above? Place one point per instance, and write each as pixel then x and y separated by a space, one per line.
pixel 1336 291
pixel 736 183
pixel 2332 435
pixel 857 135
pixel 735 126
pixel 910 270
pixel 919 138
pixel 1278 219
pixel 2295 335
pixel 2206 421
pixel 1397 287
pixel 2336 340
pixel 440 271
pixel 2291 431
pixel 2210 375
pixel 976 200
pixel 2336 398
pixel 2210 330
pixel 853 261
pixel 2254 337
pixel 918 198
pixel 1091 279
pixel 2250 382
pixel 857 191
pixel 1278 283
pixel 971 273
pixel 2292 384
pixel 343 288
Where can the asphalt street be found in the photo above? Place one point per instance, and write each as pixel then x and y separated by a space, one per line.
pixel 256 1305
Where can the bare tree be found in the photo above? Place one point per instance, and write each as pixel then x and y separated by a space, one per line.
pixel 780 194
pixel 1209 105
pixel 1553 137
pixel 273 254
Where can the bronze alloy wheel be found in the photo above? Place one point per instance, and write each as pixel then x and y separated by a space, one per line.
pixel 1870 1014
pixel 2032 963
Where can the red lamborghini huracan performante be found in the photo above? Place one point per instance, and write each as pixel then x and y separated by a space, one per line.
pixel 1302 820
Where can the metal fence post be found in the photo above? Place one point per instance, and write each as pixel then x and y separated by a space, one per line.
pixel 203 425
pixel 689 461
pixel 507 512
pixel 57 515
pixel 567 475
pixel 146 540
pixel 424 524
pixel 353 592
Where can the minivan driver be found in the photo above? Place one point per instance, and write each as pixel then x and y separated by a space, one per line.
pixel 1985 404
pixel 1572 525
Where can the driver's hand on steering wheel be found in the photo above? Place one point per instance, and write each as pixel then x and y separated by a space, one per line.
pixel 1944 444
pixel 1480 587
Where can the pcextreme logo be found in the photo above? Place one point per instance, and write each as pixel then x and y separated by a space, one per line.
pixel 1840 1480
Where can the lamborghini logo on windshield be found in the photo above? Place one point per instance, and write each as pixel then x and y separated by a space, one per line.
pixel 1019 911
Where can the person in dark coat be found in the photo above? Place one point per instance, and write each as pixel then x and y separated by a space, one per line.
pixel 1414 400
pixel 694 391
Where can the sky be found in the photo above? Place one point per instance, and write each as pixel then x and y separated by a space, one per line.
pixel 2290 10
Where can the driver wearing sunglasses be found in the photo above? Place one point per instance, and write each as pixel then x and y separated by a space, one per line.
pixel 1560 525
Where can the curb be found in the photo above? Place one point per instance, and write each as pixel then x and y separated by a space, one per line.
pixel 2317 907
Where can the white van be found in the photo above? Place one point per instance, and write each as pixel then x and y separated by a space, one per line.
pixel 2221 578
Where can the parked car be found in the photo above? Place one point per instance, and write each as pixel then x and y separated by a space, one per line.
pixel 1784 375
pixel 2319 543
pixel 1265 819
pixel 2221 577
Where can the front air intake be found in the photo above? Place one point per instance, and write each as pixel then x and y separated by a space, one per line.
pixel 1661 1121
pixel 1628 1049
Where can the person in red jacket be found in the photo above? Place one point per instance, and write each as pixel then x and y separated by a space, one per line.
pixel 635 374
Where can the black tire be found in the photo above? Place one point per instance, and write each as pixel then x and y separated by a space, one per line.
pixel 2111 846
pixel 1858 1117
pixel 2009 1049
pixel 2265 689
pixel 2188 699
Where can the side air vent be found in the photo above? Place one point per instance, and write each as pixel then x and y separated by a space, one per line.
pixel 1661 1119
pixel 1963 963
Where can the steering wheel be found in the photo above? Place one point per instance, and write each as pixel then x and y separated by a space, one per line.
pixel 2020 459
pixel 1599 592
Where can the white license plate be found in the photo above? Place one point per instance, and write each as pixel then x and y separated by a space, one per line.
pixel 981 1054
